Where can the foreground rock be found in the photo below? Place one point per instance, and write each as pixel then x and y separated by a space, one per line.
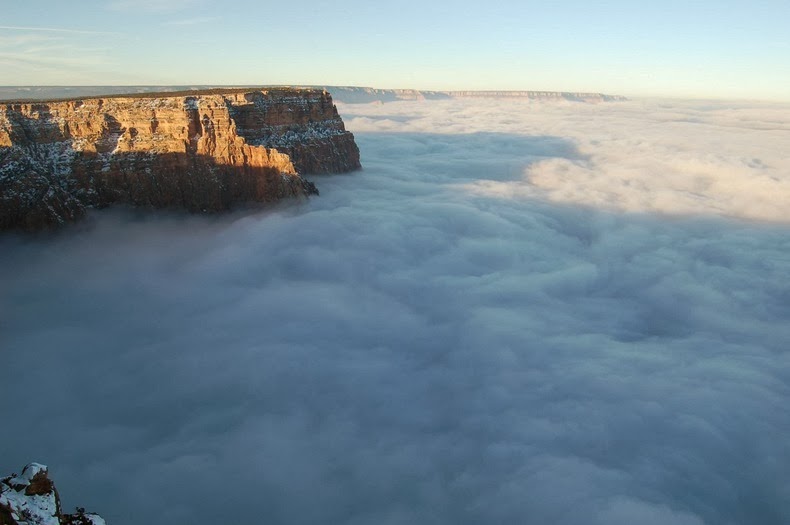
pixel 31 498
pixel 201 151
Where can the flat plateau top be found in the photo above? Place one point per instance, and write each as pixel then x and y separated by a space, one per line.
pixel 167 94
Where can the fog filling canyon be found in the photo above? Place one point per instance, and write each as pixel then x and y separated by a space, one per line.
pixel 519 312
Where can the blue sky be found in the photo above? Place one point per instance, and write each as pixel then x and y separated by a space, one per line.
pixel 720 49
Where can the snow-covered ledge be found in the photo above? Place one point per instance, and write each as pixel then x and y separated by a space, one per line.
pixel 31 498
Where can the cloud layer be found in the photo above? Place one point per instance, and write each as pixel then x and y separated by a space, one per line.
pixel 450 336
pixel 680 158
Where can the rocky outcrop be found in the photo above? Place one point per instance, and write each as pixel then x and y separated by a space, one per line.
pixel 197 150
pixel 32 499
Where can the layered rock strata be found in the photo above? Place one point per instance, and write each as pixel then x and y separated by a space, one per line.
pixel 31 498
pixel 200 151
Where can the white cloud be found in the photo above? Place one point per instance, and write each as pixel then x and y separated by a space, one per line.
pixel 398 350
pixel 709 158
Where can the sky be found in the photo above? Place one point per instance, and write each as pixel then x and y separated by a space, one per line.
pixel 454 335
pixel 693 49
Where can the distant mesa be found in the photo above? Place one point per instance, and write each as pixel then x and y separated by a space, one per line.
pixel 363 95
pixel 31 498
pixel 198 150
pixel 344 94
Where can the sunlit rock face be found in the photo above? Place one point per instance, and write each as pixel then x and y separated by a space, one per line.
pixel 199 151
pixel 31 498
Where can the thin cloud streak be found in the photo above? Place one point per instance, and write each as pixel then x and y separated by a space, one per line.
pixel 59 30
pixel 192 21
pixel 40 57
pixel 30 52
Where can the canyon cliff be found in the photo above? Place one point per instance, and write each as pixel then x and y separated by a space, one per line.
pixel 202 151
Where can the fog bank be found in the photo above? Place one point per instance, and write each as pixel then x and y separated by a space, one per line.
pixel 517 313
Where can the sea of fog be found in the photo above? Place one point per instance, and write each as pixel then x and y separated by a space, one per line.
pixel 518 312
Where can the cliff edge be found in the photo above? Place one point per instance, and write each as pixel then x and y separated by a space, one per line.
pixel 202 151
pixel 31 498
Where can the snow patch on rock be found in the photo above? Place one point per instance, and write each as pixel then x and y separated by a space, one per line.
pixel 30 498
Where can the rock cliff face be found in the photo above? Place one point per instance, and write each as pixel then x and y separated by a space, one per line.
pixel 31 498
pixel 201 151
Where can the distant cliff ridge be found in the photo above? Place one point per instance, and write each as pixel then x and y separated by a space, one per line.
pixel 574 96
pixel 197 150
pixel 361 95
pixel 345 94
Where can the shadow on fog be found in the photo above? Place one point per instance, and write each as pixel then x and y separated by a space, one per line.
pixel 461 157
pixel 547 168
